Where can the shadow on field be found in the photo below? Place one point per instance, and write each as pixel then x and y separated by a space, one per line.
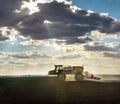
pixel 45 90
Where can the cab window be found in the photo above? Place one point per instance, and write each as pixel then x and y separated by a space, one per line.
pixel 58 68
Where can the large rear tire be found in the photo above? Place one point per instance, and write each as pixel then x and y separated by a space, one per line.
pixel 79 77
pixel 62 77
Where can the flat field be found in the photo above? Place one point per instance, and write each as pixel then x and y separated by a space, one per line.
pixel 49 90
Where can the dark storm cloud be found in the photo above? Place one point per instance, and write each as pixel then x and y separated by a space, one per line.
pixel 8 17
pixel 64 22
pixel 78 40
pixel 75 40
pixel 112 55
pixel 98 47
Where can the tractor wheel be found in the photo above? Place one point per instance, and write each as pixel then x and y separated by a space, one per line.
pixel 79 77
pixel 61 77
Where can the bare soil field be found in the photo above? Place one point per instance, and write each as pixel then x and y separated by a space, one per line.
pixel 49 90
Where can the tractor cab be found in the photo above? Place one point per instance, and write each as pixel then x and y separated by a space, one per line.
pixel 58 68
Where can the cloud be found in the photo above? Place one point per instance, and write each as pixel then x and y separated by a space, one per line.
pixel 14 62
pixel 98 47
pixel 8 17
pixel 3 34
pixel 75 40
pixel 27 55
pixel 70 56
pixel 7 33
pixel 64 24
pixel 2 38
pixel 78 40
pixel 3 58
pixel 112 55
pixel 65 21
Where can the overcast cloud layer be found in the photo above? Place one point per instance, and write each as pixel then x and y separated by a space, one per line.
pixel 65 22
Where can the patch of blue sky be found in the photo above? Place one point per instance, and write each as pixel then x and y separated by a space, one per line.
pixel 48 50
pixel 8 47
pixel 109 40
pixel 21 39
pixel 15 46
pixel 111 7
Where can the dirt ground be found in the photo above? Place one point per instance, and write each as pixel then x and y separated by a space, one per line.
pixel 48 90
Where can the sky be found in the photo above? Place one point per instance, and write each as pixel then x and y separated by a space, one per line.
pixel 106 6
pixel 37 34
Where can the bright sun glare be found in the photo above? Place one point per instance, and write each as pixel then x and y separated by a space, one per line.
pixel 31 5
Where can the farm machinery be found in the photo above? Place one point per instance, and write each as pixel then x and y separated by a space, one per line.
pixel 78 71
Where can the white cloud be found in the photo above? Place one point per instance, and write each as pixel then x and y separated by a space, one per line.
pixel 32 6
pixel 102 36
pixel 69 56
pixel 9 33
pixel 3 57
pixel 104 14
pixel 43 1
pixel 29 54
